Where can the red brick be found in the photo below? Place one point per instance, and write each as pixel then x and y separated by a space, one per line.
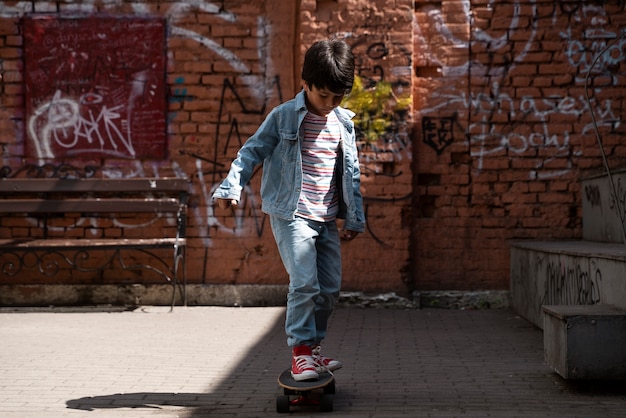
pixel 500 192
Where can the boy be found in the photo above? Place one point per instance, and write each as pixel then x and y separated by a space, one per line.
pixel 310 177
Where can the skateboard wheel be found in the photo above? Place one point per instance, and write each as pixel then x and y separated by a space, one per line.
pixel 282 404
pixel 330 388
pixel 326 403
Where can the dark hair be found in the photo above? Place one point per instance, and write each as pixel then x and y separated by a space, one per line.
pixel 329 64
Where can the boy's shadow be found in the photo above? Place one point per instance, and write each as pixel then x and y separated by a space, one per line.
pixel 148 400
pixel 262 360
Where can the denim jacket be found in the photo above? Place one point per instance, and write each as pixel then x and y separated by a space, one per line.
pixel 277 143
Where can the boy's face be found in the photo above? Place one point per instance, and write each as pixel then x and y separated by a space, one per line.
pixel 321 101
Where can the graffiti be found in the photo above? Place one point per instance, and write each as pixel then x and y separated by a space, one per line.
pixel 227 55
pixel 582 56
pixel 249 205
pixel 376 51
pixel 488 138
pixel 582 53
pixel 571 284
pixel 229 87
pixel 603 200
pixel 178 95
pixel 592 193
pixel 83 118
pixel 50 124
pixel 618 203
pixel 438 133
pixel 529 117
pixel 381 104
pixel 497 40
pixel 395 142
pixel 88 101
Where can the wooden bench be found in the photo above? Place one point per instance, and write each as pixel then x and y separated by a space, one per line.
pixel 59 213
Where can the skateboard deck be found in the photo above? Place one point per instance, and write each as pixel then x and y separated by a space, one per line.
pixel 305 392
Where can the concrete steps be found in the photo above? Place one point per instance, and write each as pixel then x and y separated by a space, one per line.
pixel 555 284
pixel 566 273
pixel 585 342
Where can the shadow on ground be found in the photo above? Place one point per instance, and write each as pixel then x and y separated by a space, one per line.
pixel 397 362
pixel 142 400
pixel 249 390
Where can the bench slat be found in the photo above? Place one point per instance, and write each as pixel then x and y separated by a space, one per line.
pixel 96 185
pixel 99 243
pixel 94 205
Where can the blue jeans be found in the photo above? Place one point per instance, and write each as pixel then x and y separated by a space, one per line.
pixel 311 254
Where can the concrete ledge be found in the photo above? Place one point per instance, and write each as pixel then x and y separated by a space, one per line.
pixel 605 250
pixel 484 299
pixel 135 295
pixel 233 295
pixel 566 273
pixel 585 342
pixel 237 295
pixel 74 295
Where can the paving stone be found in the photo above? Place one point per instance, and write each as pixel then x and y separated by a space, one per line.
pixel 217 361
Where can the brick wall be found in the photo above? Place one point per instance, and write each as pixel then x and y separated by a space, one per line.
pixel 505 131
pixel 492 146
pixel 381 37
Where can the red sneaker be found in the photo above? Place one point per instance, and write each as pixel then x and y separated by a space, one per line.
pixel 324 363
pixel 302 365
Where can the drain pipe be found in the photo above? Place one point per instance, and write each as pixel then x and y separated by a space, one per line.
pixel 620 210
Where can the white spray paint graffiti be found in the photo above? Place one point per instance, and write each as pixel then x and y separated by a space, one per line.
pixel 52 121
pixel 480 35
pixel 582 54
pixel 484 137
pixel 178 11
pixel 485 140
pixel 232 59
pixel 63 112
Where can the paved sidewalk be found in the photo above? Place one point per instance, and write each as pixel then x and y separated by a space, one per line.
pixel 215 361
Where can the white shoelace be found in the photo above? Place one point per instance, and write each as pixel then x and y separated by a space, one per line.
pixel 320 368
pixel 305 362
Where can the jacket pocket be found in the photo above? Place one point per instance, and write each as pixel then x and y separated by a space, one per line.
pixel 289 148
pixel 280 171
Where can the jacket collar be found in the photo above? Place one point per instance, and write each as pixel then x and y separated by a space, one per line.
pixel 301 102
pixel 343 114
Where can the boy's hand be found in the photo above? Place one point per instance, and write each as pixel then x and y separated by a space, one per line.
pixel 225 203
pixel 348 235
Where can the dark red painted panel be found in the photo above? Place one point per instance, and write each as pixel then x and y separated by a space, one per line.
pixel 95 87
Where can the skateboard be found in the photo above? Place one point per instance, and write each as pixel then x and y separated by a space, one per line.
pixel 306 392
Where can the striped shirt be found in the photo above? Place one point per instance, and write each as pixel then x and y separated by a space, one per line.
pixel 318 199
